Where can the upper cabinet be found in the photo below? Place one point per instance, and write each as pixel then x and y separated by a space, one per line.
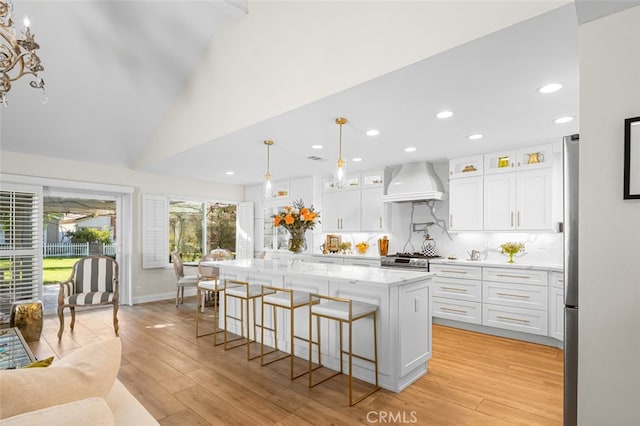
pixel 466 167
pixel 356 207
pixel 465 204
pixel 516 191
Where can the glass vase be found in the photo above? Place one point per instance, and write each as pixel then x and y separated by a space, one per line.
pixel 297 241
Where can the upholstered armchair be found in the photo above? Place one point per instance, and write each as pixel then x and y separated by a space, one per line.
pixel 93 281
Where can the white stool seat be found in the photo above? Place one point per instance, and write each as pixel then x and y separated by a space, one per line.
pixel 210 285
pixel 340 310
pixel 283 299
pixel 241 291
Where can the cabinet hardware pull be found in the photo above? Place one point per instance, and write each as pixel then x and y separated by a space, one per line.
pixel 560 280
pixel 512 219
pixel 451 220
pixel 514 295
pixel 518 219
pixel 338 223
pixel 513 276
pixel 454 271
pixel 454 310
pixel 454 289
pixel 513 319
pixel 380 222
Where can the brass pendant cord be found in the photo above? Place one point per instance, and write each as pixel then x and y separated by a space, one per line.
pixel 340 121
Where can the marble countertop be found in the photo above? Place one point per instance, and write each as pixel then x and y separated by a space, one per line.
pixel 350 273
pixel 500 264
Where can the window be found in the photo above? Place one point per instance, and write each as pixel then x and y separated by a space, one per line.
pixel 193 228
pixel 197 228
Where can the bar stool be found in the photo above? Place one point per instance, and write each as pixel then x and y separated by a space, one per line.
pixel 208 283
pixel 344 311
pixel 246 293
pixel 288 299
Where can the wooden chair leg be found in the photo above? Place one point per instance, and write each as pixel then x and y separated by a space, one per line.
pixel 115 318
pixel 61 318
pixel 177 295
pixel 73 316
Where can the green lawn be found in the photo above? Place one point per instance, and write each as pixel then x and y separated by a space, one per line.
pixel 57 269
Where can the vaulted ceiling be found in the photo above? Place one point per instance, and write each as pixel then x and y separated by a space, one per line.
pixel 114 69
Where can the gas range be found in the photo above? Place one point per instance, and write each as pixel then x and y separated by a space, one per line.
pixel 408 261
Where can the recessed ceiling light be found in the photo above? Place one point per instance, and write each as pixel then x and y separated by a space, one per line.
pixel 317 146
pixel 444 114
pixel 356 159
pixel 229 173
pixel 475 136
pixel 409 149
pixel 550 88
pixel 372 132
pixel 562 120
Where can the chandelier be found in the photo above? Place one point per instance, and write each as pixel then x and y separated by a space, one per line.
pixel 17 56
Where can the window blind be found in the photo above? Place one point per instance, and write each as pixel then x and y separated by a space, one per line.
pixel 244 231
pixel 155 231
pixel 20 245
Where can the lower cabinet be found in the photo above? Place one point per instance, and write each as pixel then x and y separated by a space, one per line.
pixel 515 299
pixel 457 293
pixel 556 305
pixel 518 299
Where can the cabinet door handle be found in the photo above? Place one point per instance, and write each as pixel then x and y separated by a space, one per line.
pixel 454 289
pixel 513 276
pixel 380 222
pixel 451 220
pixel 518 219
pixel 560 280
pixel 512 219
pixel 454 310
pixel 514 295
pixel 454 271
pixel 513 319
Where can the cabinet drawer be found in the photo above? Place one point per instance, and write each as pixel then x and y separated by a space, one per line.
pixel 457 271
pixel 458 310
pixel 518 276
pixel 517 319
pixel 326 259
pixel 459 289
pixel 556 279
pixel 516 295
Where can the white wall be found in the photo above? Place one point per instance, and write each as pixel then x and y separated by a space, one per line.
pixel 153 283
pixel 609 322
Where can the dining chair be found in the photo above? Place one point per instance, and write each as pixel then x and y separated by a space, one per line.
pixel 183 281
pixel 208 284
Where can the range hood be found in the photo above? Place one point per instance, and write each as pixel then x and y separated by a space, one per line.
pixel 414 182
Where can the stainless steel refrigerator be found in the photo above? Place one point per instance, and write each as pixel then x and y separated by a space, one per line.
pixel 570 160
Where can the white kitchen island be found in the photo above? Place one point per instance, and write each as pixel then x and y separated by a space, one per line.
pixel 404 314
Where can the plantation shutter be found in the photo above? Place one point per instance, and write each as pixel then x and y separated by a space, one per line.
pixel 20 245
pixel 155 231
pixel 244 231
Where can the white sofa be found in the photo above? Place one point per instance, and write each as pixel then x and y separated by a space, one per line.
pixel 79 389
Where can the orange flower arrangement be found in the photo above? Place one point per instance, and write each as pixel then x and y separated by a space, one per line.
pixel 296 219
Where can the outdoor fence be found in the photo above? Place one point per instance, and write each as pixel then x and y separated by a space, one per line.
pixel 75 250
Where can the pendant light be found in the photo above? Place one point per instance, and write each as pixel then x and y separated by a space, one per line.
pixel 268 187
pixel 340 176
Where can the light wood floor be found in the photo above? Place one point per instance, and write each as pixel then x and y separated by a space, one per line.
pixel 473 379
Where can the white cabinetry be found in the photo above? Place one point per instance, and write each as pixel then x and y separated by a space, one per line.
pixel 457 293
pixel 465 204
pixel 556 305
pixel 515 299
pixel 341 211
pixel 356 207
pixel 519 200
